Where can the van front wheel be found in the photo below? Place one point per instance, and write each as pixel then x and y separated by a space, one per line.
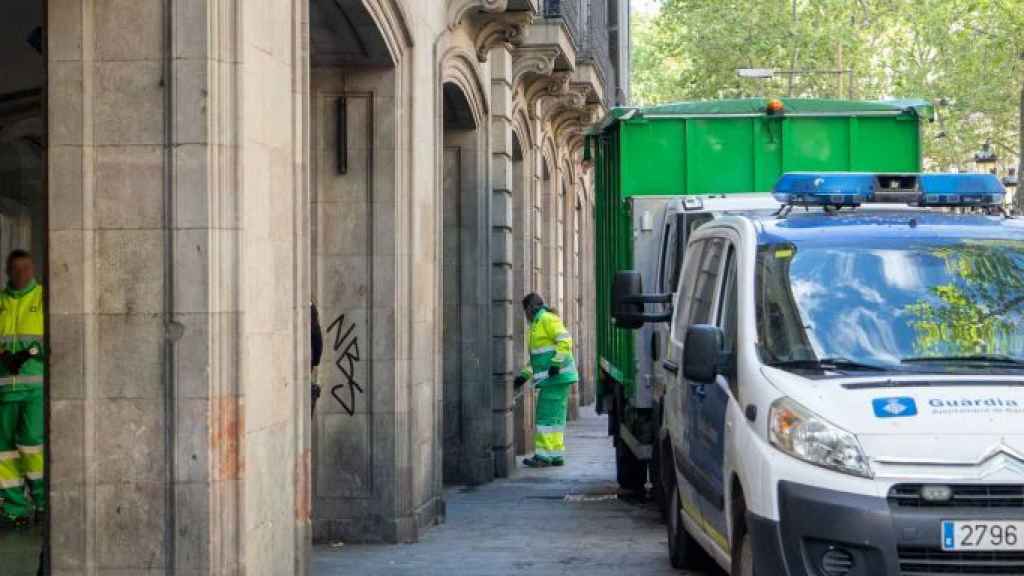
pixel 743 565
pixel 683 551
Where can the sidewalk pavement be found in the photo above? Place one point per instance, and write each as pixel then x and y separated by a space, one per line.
pixel 568 520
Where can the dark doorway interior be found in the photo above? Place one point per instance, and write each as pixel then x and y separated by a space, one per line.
pixel 459 173
pixel 22 218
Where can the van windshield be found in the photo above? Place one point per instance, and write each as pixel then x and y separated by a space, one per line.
pixel 892 304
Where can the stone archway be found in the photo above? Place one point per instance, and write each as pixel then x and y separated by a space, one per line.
pixel 376 363
pixel 464 319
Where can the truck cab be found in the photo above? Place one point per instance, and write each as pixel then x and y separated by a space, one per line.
pixel 846 390
pixel 662 227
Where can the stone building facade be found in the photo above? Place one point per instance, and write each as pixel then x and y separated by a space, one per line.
pixel 197 171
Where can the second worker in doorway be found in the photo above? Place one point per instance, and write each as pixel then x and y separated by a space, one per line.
pixel 21 392
pixel 552 370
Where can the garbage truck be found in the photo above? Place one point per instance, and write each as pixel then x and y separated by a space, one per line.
pixel 663 171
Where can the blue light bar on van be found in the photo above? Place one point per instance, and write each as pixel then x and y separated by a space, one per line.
pixel 847 189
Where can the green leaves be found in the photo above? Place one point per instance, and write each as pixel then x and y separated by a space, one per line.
pixel 966 54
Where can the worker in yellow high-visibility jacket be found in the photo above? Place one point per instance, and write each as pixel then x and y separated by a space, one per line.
pixel 21 393
pixel 552 369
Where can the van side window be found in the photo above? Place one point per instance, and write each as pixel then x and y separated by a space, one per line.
pixel 668 256
pixel 694 221
pixel 685 289
pixel 727 312
pixel 703 284
pixel 685 226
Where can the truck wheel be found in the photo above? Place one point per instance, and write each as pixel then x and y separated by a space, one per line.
pixel 630 472
pixel 683 551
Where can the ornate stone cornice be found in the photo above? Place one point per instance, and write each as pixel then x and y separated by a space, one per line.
pixel 457 9
pixel 501 29
pixel 533 60
pixel 553 85
pixel 571 100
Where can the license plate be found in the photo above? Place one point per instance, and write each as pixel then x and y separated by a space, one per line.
pixel 982 535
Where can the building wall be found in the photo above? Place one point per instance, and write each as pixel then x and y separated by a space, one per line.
pixel 177 287
pixel 196 209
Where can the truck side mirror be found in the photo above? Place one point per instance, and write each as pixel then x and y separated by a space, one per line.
pixel 627 308
pixel 628 301
pixel 702 353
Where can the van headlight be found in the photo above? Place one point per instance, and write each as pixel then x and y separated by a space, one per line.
pixel 803 434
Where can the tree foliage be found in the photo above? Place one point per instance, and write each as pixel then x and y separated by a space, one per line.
pixel 965 55
pixel 980 310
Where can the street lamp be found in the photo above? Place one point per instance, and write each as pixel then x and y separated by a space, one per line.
pixel 986 155
pixel 770 73
pixel 756 73
pixel 1011 180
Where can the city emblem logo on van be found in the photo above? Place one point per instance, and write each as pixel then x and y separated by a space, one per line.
pixel 900 407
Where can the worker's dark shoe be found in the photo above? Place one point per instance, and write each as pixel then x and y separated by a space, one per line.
pixel 557 462
pixel 535 462
pixel 10 523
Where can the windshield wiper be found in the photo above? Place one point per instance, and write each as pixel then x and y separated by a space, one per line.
pixel 829 364
pixel 969 359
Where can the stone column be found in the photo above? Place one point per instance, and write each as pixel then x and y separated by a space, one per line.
pixel 178 289
pixel 502 243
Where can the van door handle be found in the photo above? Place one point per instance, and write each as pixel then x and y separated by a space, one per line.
pixel 670 366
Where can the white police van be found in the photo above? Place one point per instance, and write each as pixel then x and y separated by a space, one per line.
pixel 849 390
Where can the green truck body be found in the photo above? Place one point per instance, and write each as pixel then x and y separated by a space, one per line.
pixel 715 148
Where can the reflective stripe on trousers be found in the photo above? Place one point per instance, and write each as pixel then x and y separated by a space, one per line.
pixel 28 379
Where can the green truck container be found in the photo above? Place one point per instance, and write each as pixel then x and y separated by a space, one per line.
pixel 705 150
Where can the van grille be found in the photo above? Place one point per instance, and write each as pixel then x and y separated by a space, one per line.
pixel 932 561
pixel 964 496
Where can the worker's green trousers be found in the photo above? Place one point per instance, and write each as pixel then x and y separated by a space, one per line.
pixel 21 451
pixel 549 439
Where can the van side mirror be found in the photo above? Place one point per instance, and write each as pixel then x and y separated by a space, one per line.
pixel 628 301
pixel 702 353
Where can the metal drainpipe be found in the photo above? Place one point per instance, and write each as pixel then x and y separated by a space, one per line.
pixel 172 329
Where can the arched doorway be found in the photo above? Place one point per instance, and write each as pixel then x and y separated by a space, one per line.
pixel 360 215
pixel 465 329
pixel 522 214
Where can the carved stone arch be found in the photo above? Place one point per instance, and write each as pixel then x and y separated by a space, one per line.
pixel 570 174
pixel 458 9
pixel 393 25
pixel 565 121
pixel 549 152
pixel 522 127
pixel 459 67
pixel 552 107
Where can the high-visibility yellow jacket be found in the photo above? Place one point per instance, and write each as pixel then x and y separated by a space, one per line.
pixel 21 328
pixel 550 344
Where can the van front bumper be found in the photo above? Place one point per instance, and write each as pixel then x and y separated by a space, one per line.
pixel 819 527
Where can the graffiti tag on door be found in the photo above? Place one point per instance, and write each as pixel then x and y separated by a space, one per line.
pixel 346 349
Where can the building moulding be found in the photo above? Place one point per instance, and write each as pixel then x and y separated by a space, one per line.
pixel 545 88
pixel 532 61
pixel 501 30
pixel 587 78
pixel 459 9
pixel 392 24
pixel 458 66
